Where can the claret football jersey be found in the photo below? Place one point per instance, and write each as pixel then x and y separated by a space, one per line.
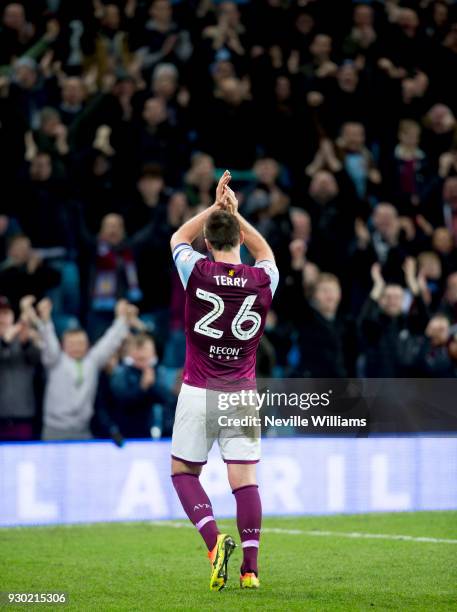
pixel 225 312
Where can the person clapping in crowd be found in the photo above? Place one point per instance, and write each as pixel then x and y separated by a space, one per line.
pixel 72 369
pixel 387 323
pixel 142 407
pixel 19 356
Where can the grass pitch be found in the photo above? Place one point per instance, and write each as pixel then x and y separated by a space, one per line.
pixel 141 566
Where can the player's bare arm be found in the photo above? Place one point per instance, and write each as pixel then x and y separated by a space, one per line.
pixel 188 232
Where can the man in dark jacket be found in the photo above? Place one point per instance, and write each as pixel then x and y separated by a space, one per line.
pixel 24 273
pixel 387 332
pixel 110 267
pixel 42 207
pixel 325 339
pixel 434 357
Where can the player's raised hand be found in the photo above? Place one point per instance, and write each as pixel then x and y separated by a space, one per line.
pixel 221 187
pixel 230 201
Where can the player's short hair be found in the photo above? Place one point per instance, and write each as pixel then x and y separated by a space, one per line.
pixel 222 230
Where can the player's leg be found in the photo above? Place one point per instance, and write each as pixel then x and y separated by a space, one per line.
pixel 190 445
pixel 198 508
pixel 242 479
pixel 194 500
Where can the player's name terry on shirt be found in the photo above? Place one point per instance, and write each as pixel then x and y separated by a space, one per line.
pixel 225 311
pixel 230 281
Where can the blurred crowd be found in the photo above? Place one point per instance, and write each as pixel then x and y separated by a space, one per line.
pixel 338 122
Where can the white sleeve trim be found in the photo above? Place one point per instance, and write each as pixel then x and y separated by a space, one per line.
pixel 271 269
pixel 185 259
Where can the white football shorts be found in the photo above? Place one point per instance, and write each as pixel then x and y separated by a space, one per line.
pixel 194 432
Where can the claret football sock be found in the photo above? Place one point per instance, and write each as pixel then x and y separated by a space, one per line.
pixel 197 506
pixel 249 521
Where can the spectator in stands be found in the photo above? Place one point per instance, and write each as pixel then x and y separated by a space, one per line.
pixel 44 215
pixel 28 91
pixel 392 239
pixel 448 162
pixel 449 304
pixel 443 245
pixel 234 111
pixel 357 159
pixel 72 370
pixel 165 85
pixel 73 98
pixel 41 208
pixel 332 218
pixel 228 33
pixel 19 357
pixel 112 271
pixel 430 275
pixel 156 140
pixel 324 334
pixel 25 273
pixel 51 138
pixel 161 39
pixel 16 32
pixel 439 133
pixel 434 359
pixel 140 404
pixel 149 203
pixel 450 205
pixel 200 180
pixel 386 330
pixel 111 44
pixel 407 173
pixel 321 66
pixel 362 41
pixel 9 228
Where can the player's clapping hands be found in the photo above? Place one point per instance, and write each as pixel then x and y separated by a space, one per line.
pixel 221 188
pixel 225 197
pixel 230 201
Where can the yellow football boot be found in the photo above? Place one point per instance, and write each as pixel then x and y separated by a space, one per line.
pixel 249 581
pixel 219 558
